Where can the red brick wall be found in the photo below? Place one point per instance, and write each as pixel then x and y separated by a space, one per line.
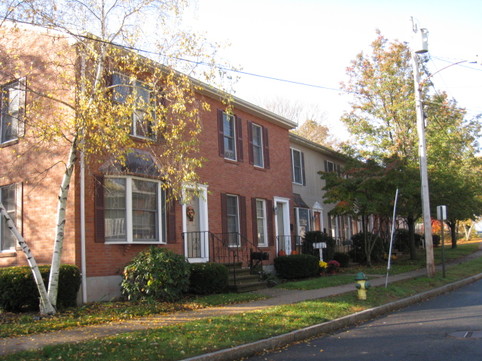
pixel 35 163
pixel 40 188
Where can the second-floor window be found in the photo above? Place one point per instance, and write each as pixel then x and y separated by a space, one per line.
pixel 258 158
pixel 143 114
pixel 12 103
pixel 229 133
pixel 298 167
pixel 230 137
pixel 258 145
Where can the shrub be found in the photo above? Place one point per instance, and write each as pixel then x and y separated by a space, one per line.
pixel 436 240
pixel 333 266
pixel 358 254
pixel 208 278
pixel 402 240
pixel 342 258
pixel 156 273
pixel 297 266
pixel 316 237
pixel 18 291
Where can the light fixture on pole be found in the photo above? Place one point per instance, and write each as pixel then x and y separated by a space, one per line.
pixel 420 46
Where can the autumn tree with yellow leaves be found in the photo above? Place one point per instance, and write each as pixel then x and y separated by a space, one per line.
pixel 97 94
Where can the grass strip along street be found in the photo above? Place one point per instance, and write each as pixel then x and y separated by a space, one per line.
pixel 197 337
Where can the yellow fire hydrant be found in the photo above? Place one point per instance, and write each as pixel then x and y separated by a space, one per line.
pixel 362 285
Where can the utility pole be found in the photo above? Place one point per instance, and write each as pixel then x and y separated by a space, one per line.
pixel 420 47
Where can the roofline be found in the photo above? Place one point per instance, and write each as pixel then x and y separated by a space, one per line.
pixel 295 138
pixel 244 105
pixel 202 87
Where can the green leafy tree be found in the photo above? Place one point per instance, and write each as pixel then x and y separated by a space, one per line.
pixel 360 191
pixel 383 124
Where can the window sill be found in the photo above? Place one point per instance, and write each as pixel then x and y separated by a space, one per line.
pixel 134 243
pixel 231 161
pixel 6 254
pixel 262 169
pixel 8 143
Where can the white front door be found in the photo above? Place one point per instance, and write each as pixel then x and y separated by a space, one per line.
pixel 282 225
pixel 195 225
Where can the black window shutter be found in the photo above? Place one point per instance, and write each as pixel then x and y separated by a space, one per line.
pixel 224 217
pixel 269 221
pixel 292 166
pixel 326 165
pixel 171 221
pixel 242 217
pixel 220 133
pixel 303 168
pixel 266 148
pixel 99 222
pixel 250 141
pixel 239 139
pixel 254 221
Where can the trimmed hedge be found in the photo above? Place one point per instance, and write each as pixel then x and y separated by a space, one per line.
pixel 317 237
pixel 342 258
pixel 297 266
pixel 208 278
pixel 18 292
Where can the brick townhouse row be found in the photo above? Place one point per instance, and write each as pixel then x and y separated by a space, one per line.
pixel 260 190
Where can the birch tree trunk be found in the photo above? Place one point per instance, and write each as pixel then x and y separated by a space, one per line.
pixel 60 221
pixel 46 307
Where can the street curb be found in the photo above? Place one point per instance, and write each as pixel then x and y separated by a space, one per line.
pixel 275 342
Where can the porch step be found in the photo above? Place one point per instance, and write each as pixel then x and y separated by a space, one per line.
pixel 242 280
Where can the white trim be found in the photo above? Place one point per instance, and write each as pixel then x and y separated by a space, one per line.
pixel 261 146
pixel 292 150
pixel 265 222
pixel 129 214
pixel 203 219
pixel 285 202
pixel 235 145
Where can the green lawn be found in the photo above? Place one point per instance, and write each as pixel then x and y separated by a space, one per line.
pixel 192 338
pixel 176 342
pixel 400 265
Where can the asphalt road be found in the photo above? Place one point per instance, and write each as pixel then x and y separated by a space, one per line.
pixel 446 328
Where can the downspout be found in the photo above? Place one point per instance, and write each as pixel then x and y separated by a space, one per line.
pixel 83 264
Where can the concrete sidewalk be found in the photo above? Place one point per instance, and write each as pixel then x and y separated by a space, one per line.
pixel 276 297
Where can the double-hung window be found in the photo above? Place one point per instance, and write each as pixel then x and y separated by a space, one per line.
pixel 137 96
pixel 257 143
pixel 298 167
pixel 232 216
pixel 12 103
pixel 229 133
pixel 134 210
pixel 303 221
pixel 230 136
pixel 261 223
pixel 9 201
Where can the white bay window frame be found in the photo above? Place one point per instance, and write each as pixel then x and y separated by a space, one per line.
pixel 129 213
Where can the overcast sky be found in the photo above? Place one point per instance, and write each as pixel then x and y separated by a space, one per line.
pixel 313 41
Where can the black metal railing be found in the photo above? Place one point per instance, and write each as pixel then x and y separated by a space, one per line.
pixel 197 244
pixel 228 248
pixel 294 243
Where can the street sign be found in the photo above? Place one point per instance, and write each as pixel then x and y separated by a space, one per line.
pixel 441 213
pixel 319 245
